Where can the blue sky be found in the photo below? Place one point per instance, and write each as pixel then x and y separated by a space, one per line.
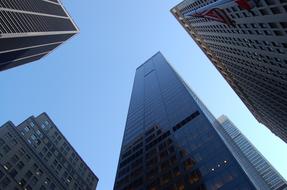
pixel 85 85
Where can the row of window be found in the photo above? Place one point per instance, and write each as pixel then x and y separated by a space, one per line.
pixel 74 159
pixel 67 150
pixel 59 163
pixel 14 22
pixel 14 166
pixel 276 72
pixel 260 164
pixel 34 6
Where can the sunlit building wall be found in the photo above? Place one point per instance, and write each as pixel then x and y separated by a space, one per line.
pixel 246 40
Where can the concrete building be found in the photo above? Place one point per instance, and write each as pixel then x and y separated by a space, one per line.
pixel 36 155
pixel 246 40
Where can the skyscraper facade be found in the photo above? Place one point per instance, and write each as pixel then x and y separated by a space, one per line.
pixel 170 142
pixel 258 169
pixel 246 40
pixel 36 155
pixel 31 29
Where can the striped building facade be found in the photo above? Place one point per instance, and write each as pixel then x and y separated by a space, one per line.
pixel 258 169
pixel 31 29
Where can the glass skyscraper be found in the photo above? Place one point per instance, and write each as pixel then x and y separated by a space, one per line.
pixel 31 29
pixel 170 140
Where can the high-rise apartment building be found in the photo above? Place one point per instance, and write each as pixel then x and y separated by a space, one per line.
pixel 258 169
pixel 31 29
pixel 36 155
pixel 246 40
pixel 170 140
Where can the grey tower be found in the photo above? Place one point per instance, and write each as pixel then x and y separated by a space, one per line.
pixel 246 40
pixel 36 155
pixel 31 29
pixel 170 142
pixel 259 170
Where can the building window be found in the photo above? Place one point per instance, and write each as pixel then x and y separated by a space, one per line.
pixel 28 174
pixel 32 124
pixel 13 173
pixel 275 10
pixel 5 182
pixel 59 167
pixel 38 142
pixel 27 158
pixel 43 126
pixel 39 172
pixel 21 152
pixel 278 33
pixel 8 136
pixel 1 174
pixel 2 142
pixel 13 142
pixel 35 166
pixel 194 177
pixel 20 165
pixel 34 181
pixel 22 182
pixel 26 129
pixel 59 138
pixel 6 149
pixel 46 122
pixel 7 166
pixel 39 134
pixel 14 159
pixel 47 181
pixel 264 11
pixel 33 137
pixel 28 187
pixel 52 186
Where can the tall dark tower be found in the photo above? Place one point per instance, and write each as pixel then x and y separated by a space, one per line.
pixel 171 140
pixel 31 29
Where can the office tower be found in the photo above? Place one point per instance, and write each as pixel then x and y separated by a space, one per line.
pixel 246 40
pixel 170 142
pixel 31 29
pixel 36 155
pixel 258 169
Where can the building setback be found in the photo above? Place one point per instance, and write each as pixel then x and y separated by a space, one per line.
pixel 36 155
pixel 170 142
pixel 247 43
pixel 31 29
pixel 259 170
